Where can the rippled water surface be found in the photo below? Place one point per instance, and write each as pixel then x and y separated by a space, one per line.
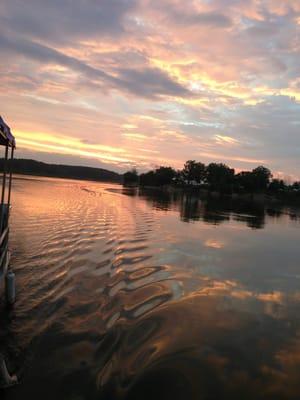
pixel 126 295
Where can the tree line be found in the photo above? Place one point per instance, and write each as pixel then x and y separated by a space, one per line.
pixel 37 168
pixel 214 177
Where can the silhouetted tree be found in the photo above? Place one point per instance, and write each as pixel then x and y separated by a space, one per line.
pixel 220 177
pixel 159 177
pixel 147 179
pixel 245 181
pixel 257 180
pixel 131 177
pixel 193 171
pixel 277 185
pixel 262 178
pixel 216 177
pixel 296 186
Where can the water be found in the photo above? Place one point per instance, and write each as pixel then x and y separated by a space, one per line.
pixel 151 296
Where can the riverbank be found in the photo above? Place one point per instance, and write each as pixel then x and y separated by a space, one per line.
pixel 289 198
pixel 39 169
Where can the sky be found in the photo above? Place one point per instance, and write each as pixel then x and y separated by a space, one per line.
pixel 139 83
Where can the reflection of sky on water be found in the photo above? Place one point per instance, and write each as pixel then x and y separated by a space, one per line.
pixel 222 246
pixel 120 298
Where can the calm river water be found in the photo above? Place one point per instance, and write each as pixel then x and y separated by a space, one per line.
pixel 143 296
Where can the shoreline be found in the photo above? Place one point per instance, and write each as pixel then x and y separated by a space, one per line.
pixel 284 198
pixel 20 175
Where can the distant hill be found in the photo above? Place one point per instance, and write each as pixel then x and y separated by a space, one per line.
pixel 32 167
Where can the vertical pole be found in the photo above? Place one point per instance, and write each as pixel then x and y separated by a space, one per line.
pixel 3 189
pixel 10 175
pixel 4 175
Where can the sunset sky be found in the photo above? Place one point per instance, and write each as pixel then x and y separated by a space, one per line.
pixel 122 83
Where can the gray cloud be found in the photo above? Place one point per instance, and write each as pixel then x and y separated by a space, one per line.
pixel 62 20
pixel 273 126
pixel 150 82
pixel 39 52
pixel 213 19
pixel 146 82
pixel 187 15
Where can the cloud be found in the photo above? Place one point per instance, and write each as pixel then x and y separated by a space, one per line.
pixel 168 80
pixel 151 82
pixel 147 82
pixel 190 14
pixel 46 54
pixel 187 18
pixel 64 20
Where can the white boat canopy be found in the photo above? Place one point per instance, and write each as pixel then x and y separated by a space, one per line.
pixel 6 137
